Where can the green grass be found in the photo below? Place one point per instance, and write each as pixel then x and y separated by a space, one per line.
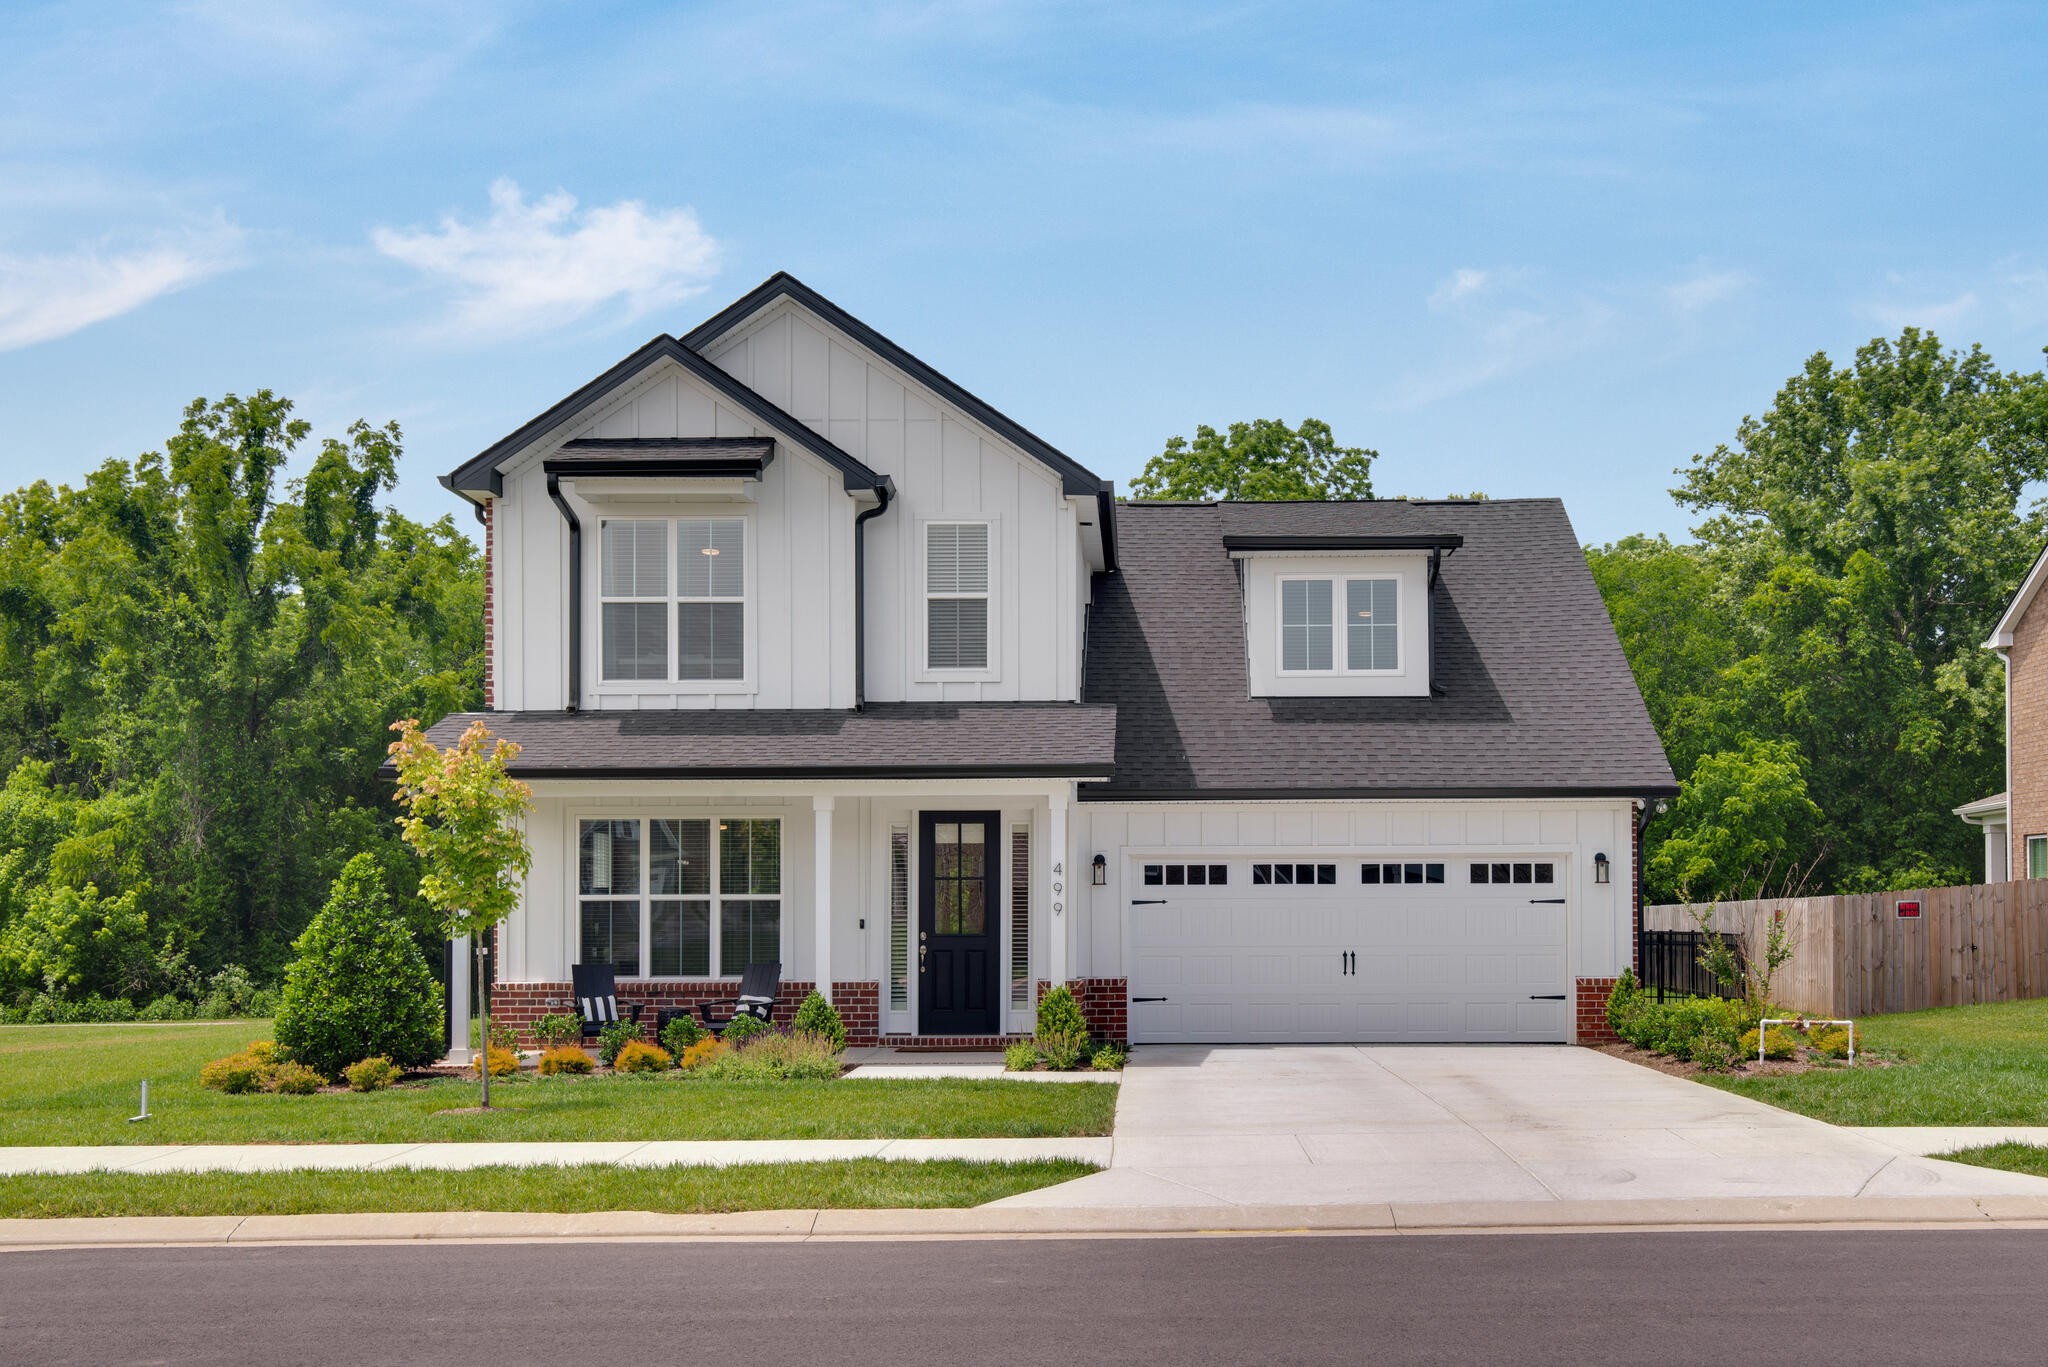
pixel 2031 1159
pixel 77 1084
pixel 1964 1065
pixel 850 1184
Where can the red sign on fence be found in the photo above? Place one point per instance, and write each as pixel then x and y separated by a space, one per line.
pixel 1909 911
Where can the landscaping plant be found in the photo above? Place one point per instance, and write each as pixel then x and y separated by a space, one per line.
pixel 777 1057
pixel 612 1037
pixel 694 1056
pixel 371 1074
pixel 462 817
pixel 816 1017
pixel 260 1067
pixel 359 987
pixel 744 1028
pixel 558 1031
pixel 568 1059
pixel 1020 1057
pixel 504 1062
pixel 1062 1033
pixel 1107 1058
pixel 638 1056
pixel 680 1033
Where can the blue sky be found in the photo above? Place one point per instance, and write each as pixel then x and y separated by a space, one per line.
pixel 1518 250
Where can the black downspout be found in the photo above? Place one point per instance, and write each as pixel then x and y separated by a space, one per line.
pixel 575 591
pixel 1436 561
pixel 860 593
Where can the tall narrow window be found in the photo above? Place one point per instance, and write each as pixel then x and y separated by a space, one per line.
pixel 1305 624
pixel 608 889
pixel 750 893
pixel 956 595
pixel 634 592
pixel 2037 856
pixel 679 881
pixel 1372 628
pixel 711 593
pixel 1020 915
pixel 899 918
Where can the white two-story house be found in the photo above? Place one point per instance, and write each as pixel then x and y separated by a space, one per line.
pixel 816 658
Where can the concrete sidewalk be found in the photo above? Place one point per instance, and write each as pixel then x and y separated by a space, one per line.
pixel 646 1154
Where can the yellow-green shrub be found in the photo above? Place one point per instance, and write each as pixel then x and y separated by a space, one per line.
pixel 567 1059
pixel 1830 1041
pixel 705 1050
pixel 371 1074
pixel 641 1057
pixel 504 1063
pixel 235 1074
pixel 295 1079
pixel 1778 1043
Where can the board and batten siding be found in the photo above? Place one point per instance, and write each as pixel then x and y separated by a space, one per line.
pixel 1601 917
pixel 946 467
pixel 800 565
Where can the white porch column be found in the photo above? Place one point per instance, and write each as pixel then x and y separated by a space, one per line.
pixel 1060 885
pixel 461 967
pixel 821 824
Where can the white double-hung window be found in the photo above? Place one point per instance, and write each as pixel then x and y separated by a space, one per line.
pixel 679 898
pixel 956 612
pixel 1317 636
pixel 689 626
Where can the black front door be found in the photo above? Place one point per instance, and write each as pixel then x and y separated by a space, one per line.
pixel 957 919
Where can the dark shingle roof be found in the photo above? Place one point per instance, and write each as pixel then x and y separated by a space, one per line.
pixel 1536 697
pixel 888 740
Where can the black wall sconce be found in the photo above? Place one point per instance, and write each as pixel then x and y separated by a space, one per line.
pixel 1600 868
pixel 1098 872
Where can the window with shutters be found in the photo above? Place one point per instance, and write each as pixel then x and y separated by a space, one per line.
pixel 682 624
pixel 956 586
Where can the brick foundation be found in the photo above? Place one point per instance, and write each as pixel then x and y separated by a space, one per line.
pixel 1105 1004
pixel 1591 1018
pixel 521 1004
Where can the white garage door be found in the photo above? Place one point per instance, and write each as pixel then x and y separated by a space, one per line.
pixel 1266 950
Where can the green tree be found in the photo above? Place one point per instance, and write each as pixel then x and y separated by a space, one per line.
pixel 1742 827
pixel 360 987
pixel 1264 460
pixel 464 818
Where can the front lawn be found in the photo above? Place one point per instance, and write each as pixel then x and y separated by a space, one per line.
pixel 1962 1065
pixel 2031 1159
pixel 852 1184
pixel 78 1084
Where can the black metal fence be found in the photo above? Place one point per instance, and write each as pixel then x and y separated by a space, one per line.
pixel 1672 968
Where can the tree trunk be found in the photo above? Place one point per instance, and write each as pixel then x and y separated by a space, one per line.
pixel 483 997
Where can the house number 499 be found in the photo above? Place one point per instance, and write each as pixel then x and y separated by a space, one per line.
pixel 1059 906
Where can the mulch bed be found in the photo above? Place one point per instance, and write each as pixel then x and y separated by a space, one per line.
pixel 1805 1063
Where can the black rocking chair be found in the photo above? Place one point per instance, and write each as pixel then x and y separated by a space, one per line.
pixel 758 986
pixel 597 998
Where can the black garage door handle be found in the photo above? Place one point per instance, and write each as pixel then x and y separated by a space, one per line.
pixel 1546 901
pixel 1148 901
pixel 1147 999
pixel 1549 997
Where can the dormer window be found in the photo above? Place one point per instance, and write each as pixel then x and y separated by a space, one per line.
pixel 687 626
pixel 956 595
pixel 1370 640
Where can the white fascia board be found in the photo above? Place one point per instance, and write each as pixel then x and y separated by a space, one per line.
pixel 2002 634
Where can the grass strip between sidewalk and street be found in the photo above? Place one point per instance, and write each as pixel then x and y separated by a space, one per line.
pixel 78 1084
pixel 859 1183
pixel 1959 1065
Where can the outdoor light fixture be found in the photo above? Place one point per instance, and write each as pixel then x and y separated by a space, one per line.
pixel 1599 868
pixel 1099 872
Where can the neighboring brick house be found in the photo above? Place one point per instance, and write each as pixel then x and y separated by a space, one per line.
pixel 2015 822
pixel 816 658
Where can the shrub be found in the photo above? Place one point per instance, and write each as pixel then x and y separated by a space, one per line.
pixel 166 1008
pixel 1063 1050
pixel 264 1051
pixel 558 1031
pixel 1021 1057
pixel 638 1056
pixel 1622 999
pixel 1830 1041
pixel 359 987
pixel 1714 1052
pixel 779 1058
pixel 295 1079
pixel 1106 1059
pixel 46 1008
pixel 615 1036
pixel 230 992
pixel 680 1033
pixel 567 1059
pixel 371 1074
pixel 816 1017
pixel 694 1056
pixel 504 1063
pixel 1059 1014
pixel 744 1028
pixel 1777 1042
pixel 235 1074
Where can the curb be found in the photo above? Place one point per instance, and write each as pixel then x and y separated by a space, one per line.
pixel 1955 1212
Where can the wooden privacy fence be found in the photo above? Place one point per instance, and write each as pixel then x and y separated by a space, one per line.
pixel 1856 956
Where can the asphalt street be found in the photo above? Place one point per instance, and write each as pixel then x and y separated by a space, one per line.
pixel 1811 1298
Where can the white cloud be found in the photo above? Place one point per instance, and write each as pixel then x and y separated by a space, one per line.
pixel 1933 314
pixel 1461 284
pixel 1704 288
pixel 530 267
pixel 49 296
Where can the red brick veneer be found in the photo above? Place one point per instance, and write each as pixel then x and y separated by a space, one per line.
pixel 520 1004
pixel 1592 1012
pixel 1105 1004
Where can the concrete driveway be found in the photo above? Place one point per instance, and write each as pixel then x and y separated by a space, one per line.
pixel 1287 1125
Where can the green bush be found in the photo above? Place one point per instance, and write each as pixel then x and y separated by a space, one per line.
pixel 1714 1052
pixel 744 1028
pixel 46 1008
pixel 680 1033
pixel 236 1074
pixel 1106 1059
pixel 558 1031
pixel 1777 1042
pixel 371 1074
pixel 359 987
pixel 1059 1014
pixel 816 1017
pixel 295 1079
pixel 615 1036
pixel 1674 1027
pixel 229 993
pixel 638 1056
pixel 1622 998
pixel 1020 1057
pixel 1830 1041
pixel 1063 1050
pixel 778 1058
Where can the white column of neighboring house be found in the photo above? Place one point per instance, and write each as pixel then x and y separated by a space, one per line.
pixel 1059 882
pixel 821 823
pixel 459 970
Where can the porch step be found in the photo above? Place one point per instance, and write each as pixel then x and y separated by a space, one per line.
pixel 948 1044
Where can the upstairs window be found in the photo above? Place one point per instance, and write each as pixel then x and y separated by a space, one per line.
pixel 701 607
pixel 956 595
pixel 1310 642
